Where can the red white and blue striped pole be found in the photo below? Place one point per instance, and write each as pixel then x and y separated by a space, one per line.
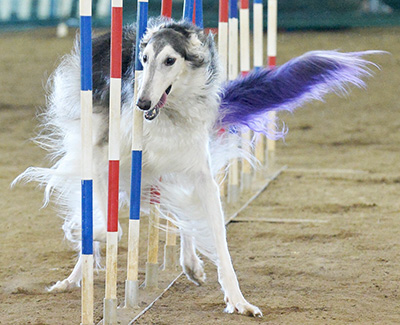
pixel 110 298
pixel 244 21
pixel 223 36
pixel 151 280
pixel 132 282
pixel 223 56
pixel 258 34
pixel 233 71
pixel 271 54
pixel 85 10
pixel 170 247
pixel 258 64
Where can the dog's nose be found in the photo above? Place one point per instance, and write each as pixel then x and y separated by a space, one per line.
pixel 143 104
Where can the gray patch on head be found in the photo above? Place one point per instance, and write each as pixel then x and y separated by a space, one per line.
pixel 169 37
pixel 178 37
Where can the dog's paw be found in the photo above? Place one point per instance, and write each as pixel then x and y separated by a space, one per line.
pixel 62 286
pixel 243 308
pixel 194 270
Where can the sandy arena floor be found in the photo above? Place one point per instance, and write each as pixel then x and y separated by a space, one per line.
pixel 343 159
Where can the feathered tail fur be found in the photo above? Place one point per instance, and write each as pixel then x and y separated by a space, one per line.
pixel 246 101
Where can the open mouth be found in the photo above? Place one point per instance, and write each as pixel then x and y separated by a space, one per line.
pixel 151 114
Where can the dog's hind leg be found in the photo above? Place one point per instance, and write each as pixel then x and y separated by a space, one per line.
pixel 208 192
pixel 191 264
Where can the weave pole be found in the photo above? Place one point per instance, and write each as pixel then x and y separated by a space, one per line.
pixel 170 248
pixel 198 13
pixel 85 11
pixel 132 282
pixel 258 64
pixel 223 56
pixel 233 70
pixel 110 297
pixel 244 21
pixel 271 53
pixel 166 8
pixel 223 36
pixel 188 10
pixel 170 260
pixel 151 280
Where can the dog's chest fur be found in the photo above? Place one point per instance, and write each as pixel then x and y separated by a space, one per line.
pixel 175 142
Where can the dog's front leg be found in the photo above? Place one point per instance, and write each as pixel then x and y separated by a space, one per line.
pixel 208 192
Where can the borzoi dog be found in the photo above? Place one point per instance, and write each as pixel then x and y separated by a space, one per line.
pixel 185 104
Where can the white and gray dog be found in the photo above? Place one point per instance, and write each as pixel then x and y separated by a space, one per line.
pixel 185 105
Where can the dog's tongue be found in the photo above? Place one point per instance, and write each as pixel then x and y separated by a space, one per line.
pixel 162 101
pixel 152 114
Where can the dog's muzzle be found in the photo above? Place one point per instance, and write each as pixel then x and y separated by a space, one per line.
pixel 151 114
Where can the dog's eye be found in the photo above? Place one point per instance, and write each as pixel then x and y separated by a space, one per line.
pixel 170 61
pixel 144 58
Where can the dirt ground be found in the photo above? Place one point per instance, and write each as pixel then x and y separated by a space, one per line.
pixel 342 156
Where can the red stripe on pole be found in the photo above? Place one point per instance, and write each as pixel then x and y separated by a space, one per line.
pixel 113 193
pixel 116 42
pixel 223 11
pixel 244 73
pixel 244 4
pixel 194 13
pixel 271 61
pixel 166 8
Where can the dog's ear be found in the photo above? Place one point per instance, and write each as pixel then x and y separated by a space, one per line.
pixel 196 53
pixel 195 41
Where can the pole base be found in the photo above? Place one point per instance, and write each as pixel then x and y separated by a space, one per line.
pixel 151 281
pixel 131 294
pixel 170 257
pixel 109 311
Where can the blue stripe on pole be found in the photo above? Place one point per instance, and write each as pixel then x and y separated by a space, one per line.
pixel 52 8
pixel 199 13
pixel 257 68
pixel 188 10
pixel 136 184
pixel 141 29
pixel 233 9
pixel 258 1
pixel 87 217
pixel 86 52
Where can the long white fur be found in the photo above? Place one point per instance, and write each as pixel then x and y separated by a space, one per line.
pixel 181 145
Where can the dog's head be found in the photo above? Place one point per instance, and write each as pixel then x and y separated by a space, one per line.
pixel 166 52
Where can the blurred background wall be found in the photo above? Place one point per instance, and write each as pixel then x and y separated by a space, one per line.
pixel 293 14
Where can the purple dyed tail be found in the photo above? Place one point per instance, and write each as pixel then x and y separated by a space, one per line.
pixel 246 101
